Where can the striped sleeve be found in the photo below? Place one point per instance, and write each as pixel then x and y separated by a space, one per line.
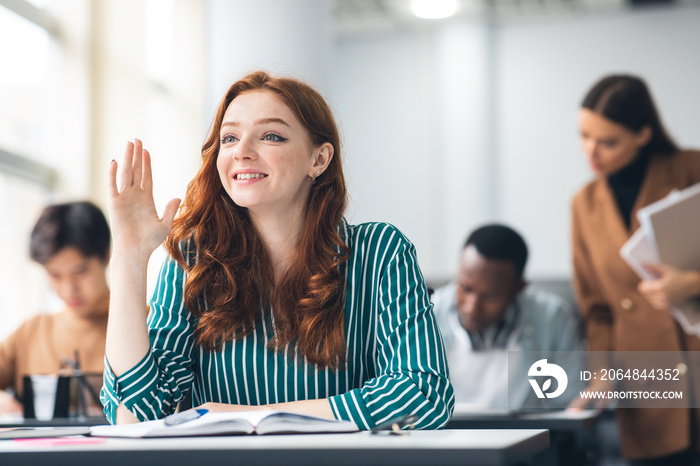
pixel 152 388
pixel 412 374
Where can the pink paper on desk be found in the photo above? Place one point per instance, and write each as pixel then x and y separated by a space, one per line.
pixel 59 441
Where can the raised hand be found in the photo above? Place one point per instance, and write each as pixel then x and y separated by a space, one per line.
pixel 136 227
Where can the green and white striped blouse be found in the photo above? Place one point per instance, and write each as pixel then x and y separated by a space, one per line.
pixel 395 361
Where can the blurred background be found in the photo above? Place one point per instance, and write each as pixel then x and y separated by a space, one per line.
pixel 447 123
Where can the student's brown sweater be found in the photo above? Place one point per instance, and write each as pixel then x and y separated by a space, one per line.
pixel 38 345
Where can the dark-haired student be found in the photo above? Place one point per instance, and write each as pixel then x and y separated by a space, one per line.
pixel 489 310
pixel 635 163
pixel 72 242
pixel 269 299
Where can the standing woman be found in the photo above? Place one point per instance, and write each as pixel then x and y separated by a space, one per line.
pixel 635 163
pixel 269 298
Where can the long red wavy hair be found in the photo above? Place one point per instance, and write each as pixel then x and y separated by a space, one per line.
pixel 232 278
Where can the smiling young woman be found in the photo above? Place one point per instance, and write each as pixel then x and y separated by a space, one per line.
pixel 269 298
pixel 262 138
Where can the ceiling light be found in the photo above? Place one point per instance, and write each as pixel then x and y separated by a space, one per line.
pixel 434 9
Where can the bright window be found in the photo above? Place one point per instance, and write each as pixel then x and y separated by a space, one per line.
pixel 26 179
pixel 26 59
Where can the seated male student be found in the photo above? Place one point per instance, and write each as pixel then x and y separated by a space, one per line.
pixel 72 242
pixel 489 310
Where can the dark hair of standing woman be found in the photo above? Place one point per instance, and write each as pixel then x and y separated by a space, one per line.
pixel 626 100
pixel 233 271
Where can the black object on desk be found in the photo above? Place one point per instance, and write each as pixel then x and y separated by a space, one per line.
pixel 60 409
pixel 55 422
pixel 28 398
pixel 83 386
pixel 541 419
pixel 74 395
pixel 43 432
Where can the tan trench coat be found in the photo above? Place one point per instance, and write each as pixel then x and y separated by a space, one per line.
pixel 616 316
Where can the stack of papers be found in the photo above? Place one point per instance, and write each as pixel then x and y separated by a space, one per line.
pixel 669 234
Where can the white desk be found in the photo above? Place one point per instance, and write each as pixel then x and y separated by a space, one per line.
pixel 447 447
pixel 573 421
pixel 570 431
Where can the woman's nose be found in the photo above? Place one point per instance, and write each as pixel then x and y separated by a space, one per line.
pixel 590 147
pixel 244 150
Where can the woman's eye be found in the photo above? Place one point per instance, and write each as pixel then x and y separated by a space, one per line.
pixel 273 137
pixel 228 139
pixel 609 144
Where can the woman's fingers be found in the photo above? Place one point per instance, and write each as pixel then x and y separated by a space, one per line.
pixel 654 269
pixel 125 172
pixel 147 181
pixel 137 163
pixel 135 169
pixel 112 189
pixel 169 212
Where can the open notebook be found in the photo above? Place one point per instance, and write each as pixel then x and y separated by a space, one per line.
pixel 231 423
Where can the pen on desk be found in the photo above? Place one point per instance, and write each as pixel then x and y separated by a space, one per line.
pixel 185 416
pixel 80 376
pixel 395 425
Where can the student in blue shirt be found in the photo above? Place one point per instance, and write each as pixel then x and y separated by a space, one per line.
pixel 489 310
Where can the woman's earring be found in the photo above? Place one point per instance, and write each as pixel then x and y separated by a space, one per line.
pixel 313 178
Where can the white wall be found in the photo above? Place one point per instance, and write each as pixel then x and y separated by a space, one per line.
pixel 293 38
pixel 545 66
pixel 384 104
pixel 415 135
pixel 470 122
